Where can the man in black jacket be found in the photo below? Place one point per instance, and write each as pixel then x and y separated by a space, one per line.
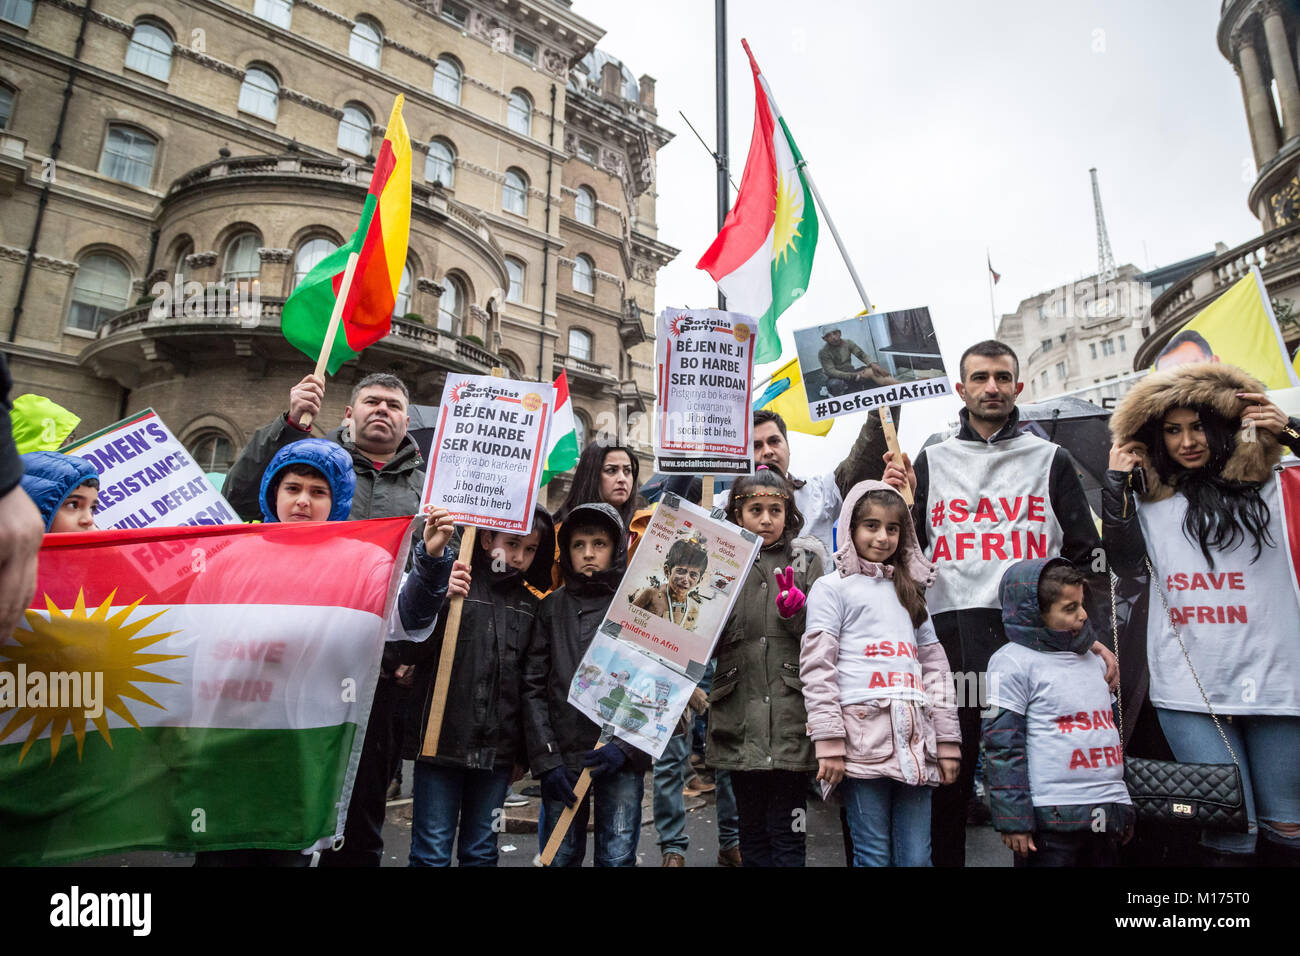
pixel 389 481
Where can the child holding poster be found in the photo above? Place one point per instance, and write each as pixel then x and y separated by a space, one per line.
pixel 756 710
pixel 870 663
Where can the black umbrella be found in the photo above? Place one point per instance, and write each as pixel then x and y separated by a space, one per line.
pixel 424 419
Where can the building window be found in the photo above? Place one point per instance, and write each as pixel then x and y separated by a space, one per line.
pixel 1121 344
pixel 583 273
pixel 310 253
pixel 212 451
pixel 1092 349
pixel 184 248
pixel 242 260
pixel 1060 371
pixel 456 13
pixel 150 51
pixel 16 11
pixel 580 428
pixel 100 290
pixel 446 80
pixel 1047 345
pixel 1042 382
pixel 1107 346
pixel 402 302
pixel 6 106
pixel 354 130
pixel 260 94
pixel 519 113
pixel 440 166
pixel 451 305
pixel 278 12
pixel 514 193
pixel 584 204
pixel 580 344
pixel 128 156
pixel 366 42
pixel 515 269
pixel 586 152
pixel 525 49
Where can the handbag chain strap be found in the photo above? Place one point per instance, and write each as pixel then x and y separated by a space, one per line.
pixel 1114 629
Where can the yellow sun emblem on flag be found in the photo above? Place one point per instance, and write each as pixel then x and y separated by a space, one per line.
pixel 789 214
pixel 85 644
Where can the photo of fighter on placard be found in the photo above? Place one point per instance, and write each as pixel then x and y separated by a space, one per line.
pixel 677 598
pixel 868 352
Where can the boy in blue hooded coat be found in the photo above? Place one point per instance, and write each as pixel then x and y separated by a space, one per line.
pixel 313 480
pixel 1052 754
pixel 65 489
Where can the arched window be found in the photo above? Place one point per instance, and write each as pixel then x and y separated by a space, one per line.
pixel 583 275
pixel 242 260
pixel 519 113
pixel 212 451
pixel 580 428
pixel 402 302
pixel 580 345
pixel 451 305
pixel 260 93
pixel 309 254
pixel 128 155
pixel 100 289
pixel 514 193
pixel 150 51
pixel 366 43
pixel 446 80
pixel 584 204
pixel 278 12
pixel 6 105
pixel 440 166
pixel 182 248
pixel 354 130
pixel 17 11
pixel 515 269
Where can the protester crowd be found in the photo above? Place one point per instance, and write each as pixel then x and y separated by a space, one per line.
pixel 833 677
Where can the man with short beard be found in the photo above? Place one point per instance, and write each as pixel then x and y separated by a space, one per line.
pixel 985 497
pixel 390 477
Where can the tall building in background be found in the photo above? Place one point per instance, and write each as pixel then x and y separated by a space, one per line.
pixel 231 145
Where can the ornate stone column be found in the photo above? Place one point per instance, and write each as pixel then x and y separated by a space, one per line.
pixel 1279 55
pixel 1259 103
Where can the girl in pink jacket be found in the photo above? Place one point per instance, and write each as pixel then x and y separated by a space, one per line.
pixel 876 684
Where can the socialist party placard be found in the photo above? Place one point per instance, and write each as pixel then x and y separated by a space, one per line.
pixel 704 373
pixel 147 478
pixel 488 451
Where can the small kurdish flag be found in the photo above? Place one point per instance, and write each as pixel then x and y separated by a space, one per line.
pixel 562 449
pixel 380 244
pixel 193 688
pixel 762 258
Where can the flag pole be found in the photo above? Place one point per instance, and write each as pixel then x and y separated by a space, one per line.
pixel 336 317
pixel 993 309
pixel 720 108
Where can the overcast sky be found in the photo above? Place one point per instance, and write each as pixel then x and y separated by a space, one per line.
pixel 937 129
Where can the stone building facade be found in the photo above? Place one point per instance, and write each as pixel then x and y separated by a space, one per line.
pixel 230 144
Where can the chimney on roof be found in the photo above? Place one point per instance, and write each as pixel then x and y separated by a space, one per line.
pixel 647 88
pixel 611 81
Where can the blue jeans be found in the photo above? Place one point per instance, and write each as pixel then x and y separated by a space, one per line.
pixel 670 807
pixel 889 820
pixel 618 822
pixel 445 796
pixel 1266 748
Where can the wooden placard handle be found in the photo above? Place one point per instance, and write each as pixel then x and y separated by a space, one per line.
pixel 566 818
pixel 891 438
pixel 706 493
pixel 447 656
pixel 336 317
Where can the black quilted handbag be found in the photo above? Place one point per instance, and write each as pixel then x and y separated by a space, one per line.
pixel 1204 795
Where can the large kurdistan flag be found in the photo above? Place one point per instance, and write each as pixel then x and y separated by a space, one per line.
pixel 235 667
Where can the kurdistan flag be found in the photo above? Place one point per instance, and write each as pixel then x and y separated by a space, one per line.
pixel 562 449
pixel 224 679
pixel 762 258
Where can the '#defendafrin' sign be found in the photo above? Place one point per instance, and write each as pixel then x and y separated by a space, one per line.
pixel 704 370
pixel 147 478
pixel 488 451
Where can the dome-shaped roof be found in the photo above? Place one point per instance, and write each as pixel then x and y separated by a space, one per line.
pixel 593 64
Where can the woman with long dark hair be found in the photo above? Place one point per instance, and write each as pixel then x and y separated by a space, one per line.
pixel 606 472
pixel 1223 612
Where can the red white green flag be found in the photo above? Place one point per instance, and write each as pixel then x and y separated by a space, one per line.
pixel 562 449
pixel 193 688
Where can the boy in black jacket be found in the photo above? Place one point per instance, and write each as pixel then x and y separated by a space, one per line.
pixel 481 743
pixel 561 739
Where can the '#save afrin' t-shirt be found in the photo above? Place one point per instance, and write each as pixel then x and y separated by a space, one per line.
pixel 1074 750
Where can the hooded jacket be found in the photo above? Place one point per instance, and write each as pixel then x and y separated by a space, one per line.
pixel 1005 733
pixel 854 613
pixel 49 477
pixel 11 468
pixel 483 724
pixel 1212 385
pixel 557 733
pixel 327 458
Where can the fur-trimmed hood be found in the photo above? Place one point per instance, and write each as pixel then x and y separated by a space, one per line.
pixel 1208 384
